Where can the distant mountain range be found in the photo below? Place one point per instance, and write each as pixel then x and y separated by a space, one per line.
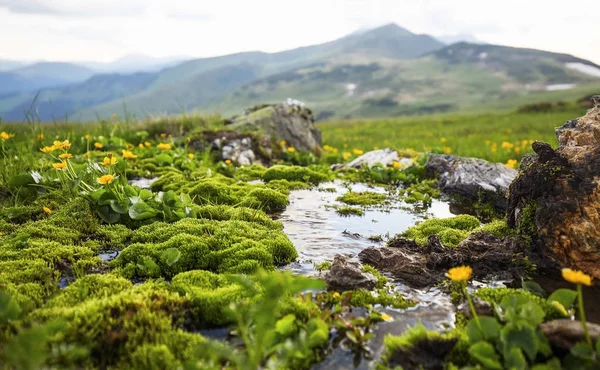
pixel 383 71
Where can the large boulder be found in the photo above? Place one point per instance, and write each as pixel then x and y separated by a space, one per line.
pixel 289 122
pixel 347 275
pixel 555 200
pixel 472 180
pixel 385 157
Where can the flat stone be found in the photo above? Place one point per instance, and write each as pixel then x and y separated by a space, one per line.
pixel 347 275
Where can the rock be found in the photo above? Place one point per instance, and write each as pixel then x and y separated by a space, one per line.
pixel 555 200
pixel 292 123
pixel 386 157
pixel 472 180
pixel 347 275
pixel 240 151
pixel 239 148
pixel 427 354
pixel 491 258
pixel 565 333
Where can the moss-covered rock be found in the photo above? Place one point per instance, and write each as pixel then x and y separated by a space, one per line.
pixel 295 173
pixel 364 198
pixel 451 231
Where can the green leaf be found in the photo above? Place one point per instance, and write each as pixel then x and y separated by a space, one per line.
pixel 519 308
pixel 553 364
pixel 108 215
pixel 145 194
pixel 582 350
pixel 171 256
pixel 141 211
pixel 486 355
pixel 148 266
pixel 520 336
pixel 120 206
pixel 598 347
pixel 490 329
pixel 566 297
pixel 95 196
pixel 515 360
pixel 21 180
pixel 352 337
pixel 533 287
pixel 106 198
pixel 285 325
pixel 130 191
pixel 163 158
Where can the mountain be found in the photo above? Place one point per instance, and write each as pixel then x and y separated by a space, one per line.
pixel 135 63
pixel 462 37
pixel 42 75
pixel 7 65
pixel 383 71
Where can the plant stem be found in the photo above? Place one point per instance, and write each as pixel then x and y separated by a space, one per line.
pixel 582 315
pixel 473 312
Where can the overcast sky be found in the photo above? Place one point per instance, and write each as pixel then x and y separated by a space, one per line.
pixel 103 30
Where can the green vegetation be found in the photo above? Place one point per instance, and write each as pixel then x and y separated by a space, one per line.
pixel 348 211
pixel 451 231
pixel 364 198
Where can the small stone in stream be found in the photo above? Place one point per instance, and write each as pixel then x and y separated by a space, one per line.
pixel 565 333
pixel 426 354
pixel 472 180
pixel 385 157
pixel 347 275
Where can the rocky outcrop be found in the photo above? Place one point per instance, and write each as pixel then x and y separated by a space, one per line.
pixel 385 157
pixel 472 180
pixel 566 333
pixel 555 200
pixel 489 256
pixel 291 123
pixel 347 275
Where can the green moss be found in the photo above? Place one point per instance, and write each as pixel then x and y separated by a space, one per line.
pixel 217 246
pixel 114 237
pixel 381 280
pixel 210 295
pixel 286 186
pixel 152 357
pixel 295 173
pixel 498 228
pixel 526 225
pixel 364 298
pixel 266 199
pixel 89 287
pixel 254 172
pixel 323 266
pixel 225 213
pixel 348 211
pixel 364 198
pixel 451 231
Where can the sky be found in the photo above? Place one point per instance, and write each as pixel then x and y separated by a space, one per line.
pixel 104 30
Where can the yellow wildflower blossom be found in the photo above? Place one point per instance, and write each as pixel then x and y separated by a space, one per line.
pixel 87 136
pixel 291 149
pixel 512 163
pixel 98 145
pixel 357 151
pixel 147 143
pixel 191 155
pixel 461 273
pixel 105 179
pixel 576 277
pixel 47 210
pixel 128 154
pixel 164 146
pixel 60 166
pixel 109 161
pixel 65 156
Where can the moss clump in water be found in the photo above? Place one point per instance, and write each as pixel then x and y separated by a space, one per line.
pixel 364 198
pixel 296 173
pixel 451 231
pixel 348 211
pixel 219 246
pixel 323 266
pixel 381 280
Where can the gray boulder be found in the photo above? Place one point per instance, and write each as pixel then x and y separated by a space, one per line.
pixel 347 275
pixel 386 157
pixel 472 179
pixel 565 333
pixel 292 123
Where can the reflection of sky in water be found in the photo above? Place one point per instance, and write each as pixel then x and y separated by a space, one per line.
pixel 317 230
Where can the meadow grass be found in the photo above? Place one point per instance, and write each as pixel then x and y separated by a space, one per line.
pixel 497 137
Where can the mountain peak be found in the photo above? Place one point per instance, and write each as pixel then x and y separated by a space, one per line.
pixel 390 29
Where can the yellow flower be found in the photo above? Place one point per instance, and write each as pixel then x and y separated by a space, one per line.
pixel 517 150
pixel 397 165
pixel 375 147
pixel 461 273
pixel 163 135
pixel 141 146
pixel 114 116
pixel 291 149
pixel 487 142
pixel 86 155
pixel 129 146
pixel 128 154
pixel 524 144
pixel 346 155
pixel 5 136
pixel 336 295
pixel 507 145
pixel 147 143
pixel 87 136
pixel 228 161
pixel 494 148
pixel 60 166
pixel 560 308
pixel 105 179
pixel 447 149
pixel 512 163
pixel 164 146
pixel 357 151
pixel 282 143
pixel 98 145
pixel 109 161
pixel 443 140
pixel 62 145
pixel 48 149
pixel 191 155
pixel 386 317
pixel 65 156
pixel 576 277
pixel 40 137
pixel 47 210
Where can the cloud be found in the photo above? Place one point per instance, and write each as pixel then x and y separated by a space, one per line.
pixel 189 15
pixel 66 8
